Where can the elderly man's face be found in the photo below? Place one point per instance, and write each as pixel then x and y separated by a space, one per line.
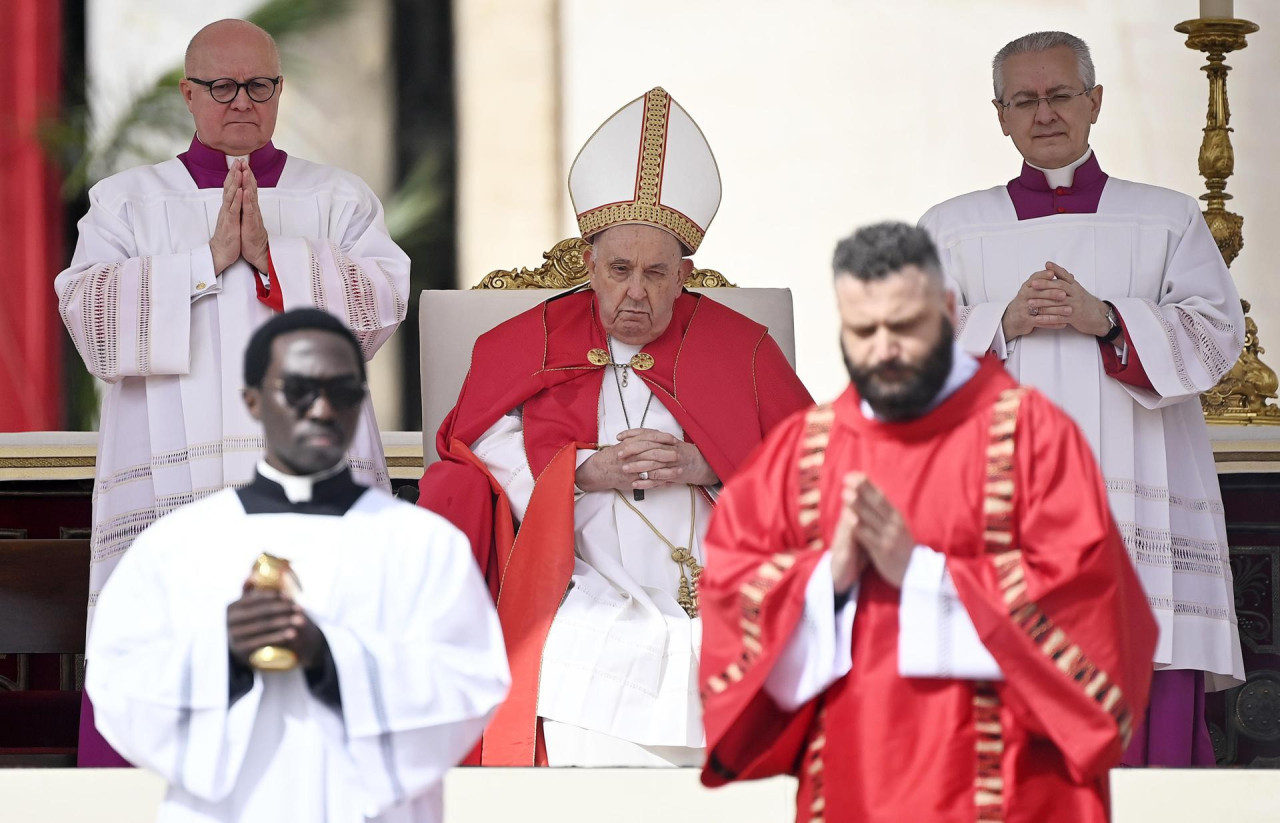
pixel 1049 135
pixel 896 334
pixel 309 401
pixel 637 273
pixel 240 53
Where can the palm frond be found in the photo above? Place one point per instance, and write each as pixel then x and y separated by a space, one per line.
pixel 157 118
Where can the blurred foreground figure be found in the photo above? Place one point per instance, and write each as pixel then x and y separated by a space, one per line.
pixel 175 267
pixel 1112 299
pixel 601 423
pixel 378 652
pixel 916 599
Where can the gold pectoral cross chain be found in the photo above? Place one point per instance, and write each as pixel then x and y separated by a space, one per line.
pixel 690 568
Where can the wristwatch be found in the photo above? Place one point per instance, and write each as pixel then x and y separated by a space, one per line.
pixel 1114 320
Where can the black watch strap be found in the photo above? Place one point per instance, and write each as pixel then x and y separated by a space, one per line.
pixel 1115 329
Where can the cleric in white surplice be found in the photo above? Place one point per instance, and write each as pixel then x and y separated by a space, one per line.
pixel 1112 298
pixel 178 263
pixel 400 657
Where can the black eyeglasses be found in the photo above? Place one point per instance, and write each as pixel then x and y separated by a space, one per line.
pixel 301 393
pixel 224 89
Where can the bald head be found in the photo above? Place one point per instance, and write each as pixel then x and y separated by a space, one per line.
pixel 218 39
pixel 239 51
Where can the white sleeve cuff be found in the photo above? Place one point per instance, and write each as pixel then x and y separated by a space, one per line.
pixel 501 449
pixel 936 637
pixel 820 651
pixel 983 330
pixel 583 456
pixel 1000 347
pixel 204 280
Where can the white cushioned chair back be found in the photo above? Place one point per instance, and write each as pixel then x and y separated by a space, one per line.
pixel 451 320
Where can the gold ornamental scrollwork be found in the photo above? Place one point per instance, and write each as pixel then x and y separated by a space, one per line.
pixel 564 268
pixel 1242 394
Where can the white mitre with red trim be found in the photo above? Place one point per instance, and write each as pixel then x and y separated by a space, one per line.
pixel 647 164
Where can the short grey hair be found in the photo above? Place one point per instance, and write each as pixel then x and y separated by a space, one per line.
pixel 1043 41
pixel 883 249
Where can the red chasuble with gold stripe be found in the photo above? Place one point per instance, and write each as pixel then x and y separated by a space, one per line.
pixel 719 374
pixel 1004 484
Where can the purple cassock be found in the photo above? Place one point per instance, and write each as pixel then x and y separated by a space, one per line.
pixel 1174 731
pixel 208 168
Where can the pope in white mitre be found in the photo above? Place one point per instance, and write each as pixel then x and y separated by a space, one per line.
pixel 1112 298
pixel 178 263
pixel 609 416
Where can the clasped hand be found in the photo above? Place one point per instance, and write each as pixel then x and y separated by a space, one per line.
pixel 239 231
pixel 870 530
pixel 1052 299
pixel 662 458
pixel 265 617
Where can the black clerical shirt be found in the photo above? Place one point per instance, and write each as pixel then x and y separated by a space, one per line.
pixel 333 496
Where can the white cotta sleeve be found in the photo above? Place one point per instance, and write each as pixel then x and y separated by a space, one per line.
pixel 936 636
pixel 501 448
pixel 1191 336
pixel 129 315
pixel 820 650
pixel 158 678
pixel 359 274
pixel 979 325
pixel 417 694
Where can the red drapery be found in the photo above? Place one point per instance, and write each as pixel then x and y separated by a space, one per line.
pixel 30 218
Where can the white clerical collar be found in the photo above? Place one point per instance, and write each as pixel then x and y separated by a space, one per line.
pixel 231 161
pixel 297 487
pixel 1065 176
pixel 626 350
pixel 963 367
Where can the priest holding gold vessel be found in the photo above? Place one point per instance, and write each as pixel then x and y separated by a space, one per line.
pixel 303 648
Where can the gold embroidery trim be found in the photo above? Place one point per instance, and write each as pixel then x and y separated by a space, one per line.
pixel 653 140
pixel 752 592
pixel 815 766
pixel 1057 645
pixel 594 221
pixel 997 509
pixel 989 780
pixel 1027 615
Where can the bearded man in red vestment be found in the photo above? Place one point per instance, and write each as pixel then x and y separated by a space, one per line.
pixel 916 599
pixel 586 450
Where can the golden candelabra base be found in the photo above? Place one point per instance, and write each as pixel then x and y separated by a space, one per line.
pixel 1240 398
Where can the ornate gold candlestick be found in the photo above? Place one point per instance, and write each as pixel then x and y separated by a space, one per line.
pixel 1241 397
